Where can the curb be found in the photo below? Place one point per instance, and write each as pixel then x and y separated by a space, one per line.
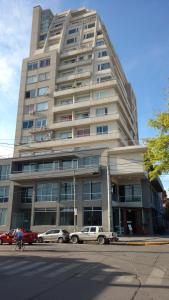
pixel 150 243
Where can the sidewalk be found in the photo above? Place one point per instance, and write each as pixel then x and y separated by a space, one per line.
pixel 144 240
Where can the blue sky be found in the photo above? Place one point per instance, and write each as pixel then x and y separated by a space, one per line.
pixel 138 29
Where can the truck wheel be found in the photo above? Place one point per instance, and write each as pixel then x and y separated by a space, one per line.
pixel 40 240
pixel 60 240
pixel 101 240
pixel 1 242
pixel 74 239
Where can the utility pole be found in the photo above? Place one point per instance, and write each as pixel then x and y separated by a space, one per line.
pixel 109 206
pixel 74 199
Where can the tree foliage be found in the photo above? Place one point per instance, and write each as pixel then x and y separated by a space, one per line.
pixel 157 155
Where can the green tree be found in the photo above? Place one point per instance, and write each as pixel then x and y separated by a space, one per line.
pixel 157 155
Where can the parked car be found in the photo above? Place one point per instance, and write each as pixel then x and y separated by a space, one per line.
pixel 93 233
pixel 29 237
pixel 54 235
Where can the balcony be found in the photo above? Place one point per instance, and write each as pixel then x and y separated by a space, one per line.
pixel 33 175
pixel 82 49
pixel 67 143
pixel 84 87
pixel 86 103
pixel 74 64
pixel 75 76
pixel 86 121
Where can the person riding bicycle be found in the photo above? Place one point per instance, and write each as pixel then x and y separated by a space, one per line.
pixel 18 235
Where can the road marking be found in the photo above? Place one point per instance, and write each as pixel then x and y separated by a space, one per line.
pixel 6 262
pixel 24 268
pixel 123 279
pixel 61 270
pixel 15 265
pixel 155 277
pixel 42 269
pixel 100 277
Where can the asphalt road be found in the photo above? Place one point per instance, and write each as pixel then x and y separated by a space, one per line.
pixel 84 272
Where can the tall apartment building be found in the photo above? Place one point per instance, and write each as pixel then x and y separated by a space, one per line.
pixel 77 160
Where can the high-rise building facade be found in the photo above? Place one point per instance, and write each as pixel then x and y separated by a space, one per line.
pixel 77 160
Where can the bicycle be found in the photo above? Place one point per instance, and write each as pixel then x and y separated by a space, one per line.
pixel 19 245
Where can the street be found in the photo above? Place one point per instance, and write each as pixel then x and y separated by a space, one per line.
pixel 85 272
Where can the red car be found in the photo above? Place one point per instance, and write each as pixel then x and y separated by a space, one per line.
pixel 29 237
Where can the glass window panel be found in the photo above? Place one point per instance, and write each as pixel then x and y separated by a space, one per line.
pixel 92 216
pixel 31 79
pixel 45 218
pixel 4 193
pixel 42 106
pixel 42 91
pixel 3 216
pixel 47 192
pixel 40 123
pixel 4 172
pixel 66 216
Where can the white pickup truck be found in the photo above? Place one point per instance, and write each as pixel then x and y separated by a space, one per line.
pixel 93 233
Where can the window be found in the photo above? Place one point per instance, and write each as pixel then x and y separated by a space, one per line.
pixel 47 192
pixel 3 216
pixel 91 25
pixel 65 135
pixel 104 78
pixel 102 111
pixel 26 139
pixel 83 132
pixel 42 37
pixel 69 61
pixel 92 216
pixel 31 79
pixel 44 62
pixel 42 106
pixel 71 41
pixel 100 42
pixel 4 172
pixel 66 216
pixel 99 32
pixel 92 190
pixel 102 53
pixel 130 193
pixel 40 123
pixel 31 94
pixel 103 94
pixel 45 216
pixel 82 98
pixel 32 65
pixel 103 66
pixel 72 30
pixel 43 91
pixel 88 35
pixel 66 191
pixel 4 193
pixel 89 161
pixel 28 109
pixel 102 129
pixel 82 115
pixel 66 118
pixel 45 166
pixel 40 137
pixel 66 101
pixel 43 76
pixel 26 195
pixel 27 124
